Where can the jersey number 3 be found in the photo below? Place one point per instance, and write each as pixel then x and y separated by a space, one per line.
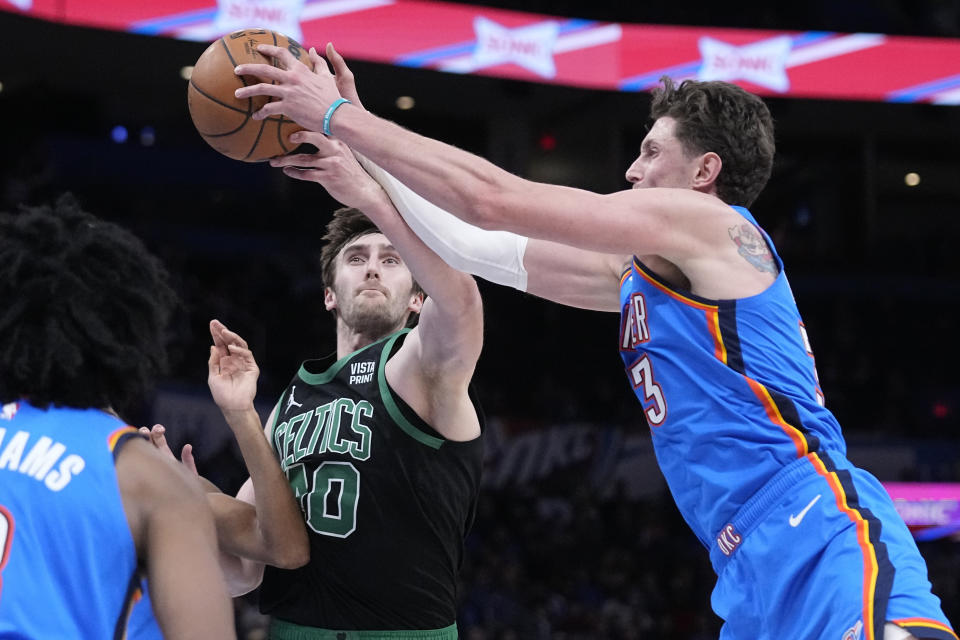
pixel 655 406
pixel 329 498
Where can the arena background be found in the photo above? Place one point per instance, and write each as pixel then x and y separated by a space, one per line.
pixel 576 537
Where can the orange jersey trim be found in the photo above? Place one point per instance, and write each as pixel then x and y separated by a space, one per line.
pixel 871 567
pixel 924 622
pixel 712 311
pixel 773 413
pixel 114 437
pixel 670 292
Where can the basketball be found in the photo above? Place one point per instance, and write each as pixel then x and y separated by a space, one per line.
pixel 223 120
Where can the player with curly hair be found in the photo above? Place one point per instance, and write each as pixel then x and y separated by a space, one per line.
pixel 87 505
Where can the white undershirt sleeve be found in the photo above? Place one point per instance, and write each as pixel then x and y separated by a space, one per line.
pixel 496 256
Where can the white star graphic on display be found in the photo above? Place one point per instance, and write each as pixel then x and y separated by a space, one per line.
pixel 530 47
pixel 23 5
pixel 763 63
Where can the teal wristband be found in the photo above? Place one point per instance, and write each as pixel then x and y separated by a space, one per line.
pixel 329 114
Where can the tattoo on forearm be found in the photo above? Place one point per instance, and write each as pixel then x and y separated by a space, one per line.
pixel 753 248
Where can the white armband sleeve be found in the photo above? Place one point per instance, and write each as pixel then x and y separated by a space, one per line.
pixel 496 256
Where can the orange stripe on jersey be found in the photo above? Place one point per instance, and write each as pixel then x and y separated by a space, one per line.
pixel 624 275
pixel 924 622
pixel 871 567
pixel 713 326
pixel 114 437
pixel 670 292
pixel 713 311
pixel 799 440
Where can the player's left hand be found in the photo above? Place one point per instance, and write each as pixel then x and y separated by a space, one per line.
pixel 298 93
pixel 346 83
pixel 232 370
pixel 158 438
pixel 335 168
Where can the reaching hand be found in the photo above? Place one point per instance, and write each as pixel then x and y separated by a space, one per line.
pixel 232 371
pixel 298 93
pixel 158 439
pixel 342 74
pixel 334 167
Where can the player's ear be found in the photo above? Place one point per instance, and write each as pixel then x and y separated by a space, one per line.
pixel 416 302
pixel 708 170
pixel 329 299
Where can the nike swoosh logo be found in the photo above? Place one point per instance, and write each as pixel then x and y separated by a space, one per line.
pixel 795 519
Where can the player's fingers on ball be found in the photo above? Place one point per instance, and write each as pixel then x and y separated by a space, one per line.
pixel 309 175
pixel 319 140
pixel 274 108
pixel 280 53
pixel 295 160
pixel 259 89
pixel 260 71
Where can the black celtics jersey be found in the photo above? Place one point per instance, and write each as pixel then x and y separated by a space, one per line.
pixel 386 499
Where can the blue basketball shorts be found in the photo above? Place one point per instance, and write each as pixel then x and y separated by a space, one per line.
pixel 821 553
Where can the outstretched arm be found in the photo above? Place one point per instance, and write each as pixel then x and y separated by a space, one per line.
pixel 550 270
pixel 674 223
pixel 277 534
pixel 432 369
pixel 555 272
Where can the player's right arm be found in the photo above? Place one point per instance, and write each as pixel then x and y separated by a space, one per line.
pixel 550 270
pixel 679 225
pixel 175 538
pixel 432 369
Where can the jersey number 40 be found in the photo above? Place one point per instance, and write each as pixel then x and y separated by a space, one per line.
pixel 328 498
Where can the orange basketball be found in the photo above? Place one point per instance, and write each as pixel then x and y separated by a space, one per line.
pixel 225 121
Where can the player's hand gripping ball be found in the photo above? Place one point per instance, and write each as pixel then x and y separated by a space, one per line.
pixel 225 121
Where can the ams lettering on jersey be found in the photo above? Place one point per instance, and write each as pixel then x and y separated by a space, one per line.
pixel 336 427
pixel 39 459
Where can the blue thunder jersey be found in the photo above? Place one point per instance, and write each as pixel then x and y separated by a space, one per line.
pixel 728 387
pixel 143 624
pixel 68 566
